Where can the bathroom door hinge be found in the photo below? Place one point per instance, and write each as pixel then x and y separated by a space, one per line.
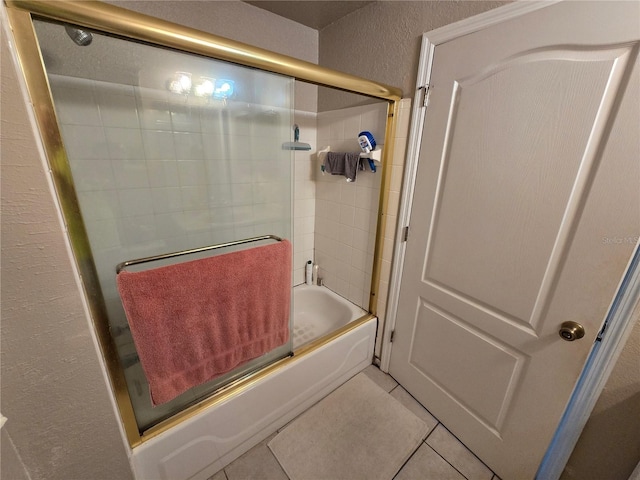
pixel 601 332
pixel 393 334
pixel 405 233
pixel 426 93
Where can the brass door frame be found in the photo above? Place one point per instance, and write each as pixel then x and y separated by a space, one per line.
pixel 132 25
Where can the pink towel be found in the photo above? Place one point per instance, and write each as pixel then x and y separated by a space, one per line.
pixel 194 321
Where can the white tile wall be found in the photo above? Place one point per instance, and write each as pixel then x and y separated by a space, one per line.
pixel 304 202
pixel 156 173
pixel 346 212
pixel 154 176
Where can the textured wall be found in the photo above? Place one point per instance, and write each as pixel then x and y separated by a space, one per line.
pixel 235 20
pixel 61 422
pixel 609 446
pixel 382 41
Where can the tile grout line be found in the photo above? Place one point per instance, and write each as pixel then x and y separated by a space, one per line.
pixel 408 459
pixel 281 467
pixel 452 466
pixel 433 429
pixel 493 474
pixel 470 451
pixel 276 458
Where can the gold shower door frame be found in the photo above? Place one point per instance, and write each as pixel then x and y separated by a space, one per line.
pixel 132 25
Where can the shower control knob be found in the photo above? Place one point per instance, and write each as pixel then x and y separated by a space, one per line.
pixel 571 331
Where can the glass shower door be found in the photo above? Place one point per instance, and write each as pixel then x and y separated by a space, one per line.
pixel 168 151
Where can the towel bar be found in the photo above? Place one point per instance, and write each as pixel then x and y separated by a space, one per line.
pixel 375 154
pixel 138 261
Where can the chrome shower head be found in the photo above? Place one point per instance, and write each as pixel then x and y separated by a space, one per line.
pixel 79 37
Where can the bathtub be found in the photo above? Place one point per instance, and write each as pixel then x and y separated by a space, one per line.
pixel 333 341
pixel 318 311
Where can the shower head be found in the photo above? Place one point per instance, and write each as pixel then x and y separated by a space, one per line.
pixel 79 37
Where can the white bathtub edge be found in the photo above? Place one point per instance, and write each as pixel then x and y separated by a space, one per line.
pixel 204 444
pixel 356 311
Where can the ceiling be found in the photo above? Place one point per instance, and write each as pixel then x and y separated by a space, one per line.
pixel 314 14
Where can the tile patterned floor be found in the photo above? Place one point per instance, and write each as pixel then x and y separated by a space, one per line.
pixel 440 457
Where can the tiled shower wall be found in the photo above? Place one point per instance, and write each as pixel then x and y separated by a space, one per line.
pixel 346 212
pixel 304 197
pixel 157 173
pixel 155 177
pixel 334 221
pixel 342 243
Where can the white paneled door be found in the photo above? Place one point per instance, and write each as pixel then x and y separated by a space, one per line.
pixel 525 212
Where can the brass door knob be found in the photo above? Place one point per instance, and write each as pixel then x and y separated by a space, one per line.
pixel 571 331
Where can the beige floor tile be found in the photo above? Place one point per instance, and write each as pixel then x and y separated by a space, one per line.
pixel 426 464
pixel 412 404
pixel 385 381
pixel 257 463
pixel 454 452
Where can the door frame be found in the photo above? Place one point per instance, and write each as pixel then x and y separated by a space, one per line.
pixel 619 319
